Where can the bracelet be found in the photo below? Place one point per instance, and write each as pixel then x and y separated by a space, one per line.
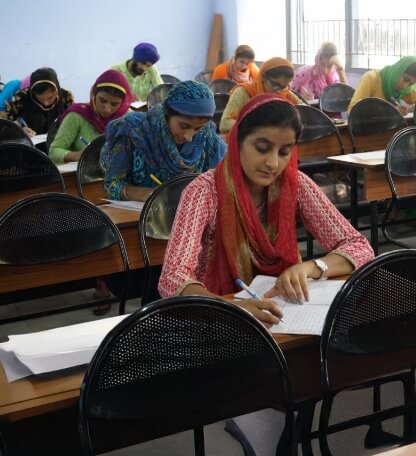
pixel 124 193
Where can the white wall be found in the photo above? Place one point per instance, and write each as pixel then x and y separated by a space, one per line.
pixel 83 38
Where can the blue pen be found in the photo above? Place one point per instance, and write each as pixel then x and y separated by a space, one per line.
pixel 23 122
pixel 83 140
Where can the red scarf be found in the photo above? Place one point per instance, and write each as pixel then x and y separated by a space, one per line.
pixel 242 246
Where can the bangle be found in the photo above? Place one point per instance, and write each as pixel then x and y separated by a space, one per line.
pixel 124 193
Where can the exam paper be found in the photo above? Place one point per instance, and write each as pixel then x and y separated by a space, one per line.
pixel 68 167
pixel 129 205
pixel 306 318
pixel 375 155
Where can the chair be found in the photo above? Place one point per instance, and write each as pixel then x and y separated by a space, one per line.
pixel 373 117
pixel 204 76
pixel 400 167
pixel 221 85
pixel 24 171
pixel 156 219
pixel 179 364
pixel 11 132
pixel 335 98
pixel 372 321
pixel 169 79
pixel 52 230
pixel 158 94
pixel 221 100
pixel 53 129
pixel 90 174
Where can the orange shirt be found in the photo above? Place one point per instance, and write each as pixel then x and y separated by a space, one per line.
pixel 221 71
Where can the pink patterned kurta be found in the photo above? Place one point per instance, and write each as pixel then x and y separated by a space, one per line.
pixel 187 254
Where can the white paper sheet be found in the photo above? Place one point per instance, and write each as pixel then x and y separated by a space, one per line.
pixel 375 155
pixel 306 318
pixel 138 104
pixel 37 139
pixel 54 349
pixel 129 205
pixel 69 167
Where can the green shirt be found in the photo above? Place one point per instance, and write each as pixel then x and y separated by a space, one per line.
pixel 67 137
pixel 143 84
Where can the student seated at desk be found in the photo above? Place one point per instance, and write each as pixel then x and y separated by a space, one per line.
pixel 240 68
pixel 310 80
pixel 40 104
pixel 175 137
pixel 9 89
pixel 239 220
pixel 140 71
pixel 396 81
pixel 274 76
pixel 110 98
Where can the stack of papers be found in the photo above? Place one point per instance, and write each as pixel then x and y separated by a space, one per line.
pixel 54 349
pixel 129 205
pixel 305 318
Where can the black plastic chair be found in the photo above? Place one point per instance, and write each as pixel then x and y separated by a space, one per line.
pixel 89 171
pixel 24 171
pixel 169 79
pixel 204 76
pixel 11 132
pixel 336 97
pixel 372 321
pixel 373 116
pixel 51 229
pixel 53 129
pixel 179 364
pixel 158 94
pixel 221 85
pixel 156 219
pixel 400 162
pixel 221 100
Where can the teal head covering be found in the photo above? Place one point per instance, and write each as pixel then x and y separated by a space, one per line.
pixel 390 74
pixel 191 98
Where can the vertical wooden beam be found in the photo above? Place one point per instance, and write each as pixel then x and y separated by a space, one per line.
pixel 215 48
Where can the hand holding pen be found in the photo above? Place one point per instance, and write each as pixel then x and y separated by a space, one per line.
pixel 265 310
pixel 26 128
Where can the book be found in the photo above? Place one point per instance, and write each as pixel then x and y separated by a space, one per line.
pixel 305 318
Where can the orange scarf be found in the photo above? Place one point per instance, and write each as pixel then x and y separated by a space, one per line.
pixel 242 246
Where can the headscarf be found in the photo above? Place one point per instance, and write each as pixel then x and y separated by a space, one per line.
pixel 233 73
pixel 34 113
pixel 242 246
pixel 110 78
pixel 390 74
pixel 149 134
pixel 145 52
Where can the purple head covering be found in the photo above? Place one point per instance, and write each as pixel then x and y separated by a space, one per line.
pixel 110 78
pixel 145 52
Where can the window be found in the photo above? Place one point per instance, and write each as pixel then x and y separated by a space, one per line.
pixel 376 33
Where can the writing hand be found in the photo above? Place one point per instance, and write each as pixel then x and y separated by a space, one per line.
pixel 29 131
pixel 265 310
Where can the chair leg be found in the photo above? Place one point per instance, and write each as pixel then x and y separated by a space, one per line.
pixel 323 426
pixel 199 442
pixel 304 421
pixel 233 429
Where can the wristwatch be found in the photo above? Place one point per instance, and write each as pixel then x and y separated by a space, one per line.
pixel 322 266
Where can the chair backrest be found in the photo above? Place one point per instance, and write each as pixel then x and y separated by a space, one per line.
pixel 52 130
pixel 376 117
pixel 178 364
pixel 221 85
pixel 169 79
pixel 11 132
pixel 318 126
pixel 157 216
pixel 204 76
pixel 24 171
pixel 336 97
pixel 90 174
pixel 158 94
pixel 52 229
pixel 221 100
pixel 374 313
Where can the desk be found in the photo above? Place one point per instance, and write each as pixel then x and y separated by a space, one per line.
pixel 376 186
pixel 408 450
pixel 97 264
pixel 93 191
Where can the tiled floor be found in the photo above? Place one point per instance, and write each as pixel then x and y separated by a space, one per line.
pixel 261 429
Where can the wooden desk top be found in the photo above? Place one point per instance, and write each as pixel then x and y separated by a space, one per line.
pixel 408 450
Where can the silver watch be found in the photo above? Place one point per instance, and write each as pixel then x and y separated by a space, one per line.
pixel 322 266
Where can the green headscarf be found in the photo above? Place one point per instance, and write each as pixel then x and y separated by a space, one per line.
pixel 390 74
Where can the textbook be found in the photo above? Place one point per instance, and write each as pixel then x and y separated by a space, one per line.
pixel 305 318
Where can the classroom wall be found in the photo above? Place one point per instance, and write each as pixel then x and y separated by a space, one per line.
pixel 81 39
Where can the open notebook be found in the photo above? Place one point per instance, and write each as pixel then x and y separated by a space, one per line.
pixel 306 318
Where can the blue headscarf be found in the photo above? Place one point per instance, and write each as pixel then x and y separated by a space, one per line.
pixel 141 144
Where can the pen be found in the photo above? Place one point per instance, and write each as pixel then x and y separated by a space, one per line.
pixel 84 141
pixel 394 101
pixel 155 179
pixel 23 122
pixel 250 291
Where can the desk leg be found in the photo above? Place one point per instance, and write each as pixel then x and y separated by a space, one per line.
pixel 374 226
pixel 354 197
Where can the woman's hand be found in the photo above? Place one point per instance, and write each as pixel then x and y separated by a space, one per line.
pixel 402 109
pixel 265 310
pixel 29 131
